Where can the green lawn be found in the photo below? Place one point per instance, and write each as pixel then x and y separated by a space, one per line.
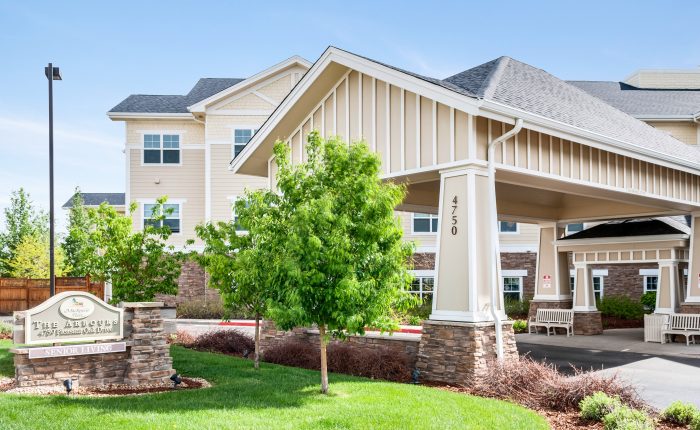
pixel 275 397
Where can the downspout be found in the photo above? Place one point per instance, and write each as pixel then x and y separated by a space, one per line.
pixel 493 215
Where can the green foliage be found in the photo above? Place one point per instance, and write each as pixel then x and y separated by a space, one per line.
pixel 680 413
pixel 648 300
pixel 621 307
pixel 598 405
pixel 516 308
pixel 520 326
pixel 626 418
pixel 22 219
pixel 31 258
pixel 414 320
pixel 695 423
pixel 332 247
pixel 5 330
pixel 139 264
pixel 77 246
pixel 199 309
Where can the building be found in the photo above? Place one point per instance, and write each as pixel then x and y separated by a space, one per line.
pixel 561 156
pixel 93 200
pixel 180 146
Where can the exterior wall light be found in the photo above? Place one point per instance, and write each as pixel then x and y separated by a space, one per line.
pixel 68 384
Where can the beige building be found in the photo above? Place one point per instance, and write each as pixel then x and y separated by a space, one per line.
pixel 180 145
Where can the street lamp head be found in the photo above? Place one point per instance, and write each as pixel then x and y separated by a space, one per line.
pixel 55 73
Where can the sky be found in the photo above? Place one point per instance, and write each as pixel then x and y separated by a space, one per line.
pixel 108 50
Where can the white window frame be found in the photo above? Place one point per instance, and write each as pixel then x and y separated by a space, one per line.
pixel 232 200
pixel 421 274
pixel 252 129
pixel 517 227
pixel 597 273
pixel 514 274
pixel 649 273
pixel 180 202
pixel 430 217
pixel 161 133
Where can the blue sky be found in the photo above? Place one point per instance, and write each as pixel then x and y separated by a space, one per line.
pixel 107 51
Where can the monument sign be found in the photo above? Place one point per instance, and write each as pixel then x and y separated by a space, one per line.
pixel 73 316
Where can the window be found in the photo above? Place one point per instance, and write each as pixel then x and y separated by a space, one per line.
pixel 597 286
pixel 512 288
pixel 167 153
pixel 172 216
pixel 651 283
pixel 425 223
pixel 507 227
pixel 241 137
pixel 574 228
pixel 423 286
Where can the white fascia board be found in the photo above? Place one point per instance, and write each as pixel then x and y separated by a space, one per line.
pixel 142 115
pixel 663 118
pixel 366 67
pixel 559 129
pixel 201 105
pixel 626 239
pixel 675 224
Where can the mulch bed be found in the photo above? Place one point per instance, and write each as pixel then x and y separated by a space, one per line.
pixel 107 390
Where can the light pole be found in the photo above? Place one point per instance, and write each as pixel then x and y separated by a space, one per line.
pixel 52 74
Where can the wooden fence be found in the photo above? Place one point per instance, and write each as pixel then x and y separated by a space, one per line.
pixel 18 294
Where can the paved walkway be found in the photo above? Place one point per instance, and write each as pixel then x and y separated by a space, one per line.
pixel 661 373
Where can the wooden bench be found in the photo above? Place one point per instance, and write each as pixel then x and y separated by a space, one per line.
pixel 552 319
pixel 687 325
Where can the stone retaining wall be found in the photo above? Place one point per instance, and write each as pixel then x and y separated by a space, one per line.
pixel 146 359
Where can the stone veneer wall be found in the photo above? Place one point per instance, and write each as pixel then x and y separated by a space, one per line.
pixel 270 336
pixel 192 287
pixel 146 359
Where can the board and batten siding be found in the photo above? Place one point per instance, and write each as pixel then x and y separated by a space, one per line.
pixel 410 132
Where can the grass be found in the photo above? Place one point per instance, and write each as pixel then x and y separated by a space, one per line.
pixel 276 397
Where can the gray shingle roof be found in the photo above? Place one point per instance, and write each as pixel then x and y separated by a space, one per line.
pixel 145 103
pixel 95 199
pixel 626 228
pixel 521 86
pixel 643 102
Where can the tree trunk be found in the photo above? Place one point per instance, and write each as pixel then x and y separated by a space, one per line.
pixel 324 361
pixel 257 341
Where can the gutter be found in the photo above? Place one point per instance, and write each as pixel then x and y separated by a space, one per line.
pixel 493 218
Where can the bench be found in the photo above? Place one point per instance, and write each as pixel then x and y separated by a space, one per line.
pixel 687 325
pixel 552 319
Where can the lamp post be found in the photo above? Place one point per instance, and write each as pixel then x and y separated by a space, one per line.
pixel 52 74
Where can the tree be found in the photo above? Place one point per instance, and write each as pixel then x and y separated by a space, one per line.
pixel 31 258
pixel 21 220
pixel 138 264
pixel 77 246
pixel 236 266
pixel 338 258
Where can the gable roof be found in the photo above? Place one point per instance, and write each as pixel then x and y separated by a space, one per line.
pixel 628 228
pixel 643 102
pixel 96 199
pixel 145 103
pixel 507 87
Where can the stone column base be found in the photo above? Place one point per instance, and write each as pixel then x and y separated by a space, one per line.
pixel 588 323
pixel 459 352
pixel 690 308
pixel 548 304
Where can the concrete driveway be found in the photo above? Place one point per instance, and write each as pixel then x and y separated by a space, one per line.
pixel 661 374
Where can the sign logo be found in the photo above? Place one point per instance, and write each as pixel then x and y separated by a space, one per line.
pixel 77 308
pixel 546 281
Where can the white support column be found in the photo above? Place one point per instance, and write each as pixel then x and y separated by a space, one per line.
pixel 693 290
pixel 463 261
pixel 584 297
pixel 668 293
pixel 552 273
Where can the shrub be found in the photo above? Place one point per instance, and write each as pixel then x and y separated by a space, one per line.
pixel 181 338
pixel 648 300
pixel 5 330
pixel 516 309
pixel 695 423
pixel 540 386
pixel 680 413
pixel 598 405
pixel 225 341
pixel 415 320
pixel 621 307
pixel 342 358
pixel 626 418
pixel 520 326
pixel 199 309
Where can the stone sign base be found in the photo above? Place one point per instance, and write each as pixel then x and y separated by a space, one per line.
pixel 146 359
pixel 548 304
pixel 459 353
pixel 588 323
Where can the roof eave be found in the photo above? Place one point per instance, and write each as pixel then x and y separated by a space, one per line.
pixel 118 116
